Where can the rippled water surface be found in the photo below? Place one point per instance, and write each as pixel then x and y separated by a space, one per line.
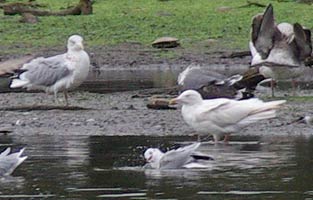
pixel 94 167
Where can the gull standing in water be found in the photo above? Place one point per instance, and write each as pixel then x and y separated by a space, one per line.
pixel 58 73
pixel 183 157
pixel 222 116
pixel 9 162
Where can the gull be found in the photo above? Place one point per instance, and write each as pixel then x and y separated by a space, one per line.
pixel 222 116
pixel 57 73
pixel 183 157
pixel 9 162
pixel 279 50
pixel 304 119
pixel 211 84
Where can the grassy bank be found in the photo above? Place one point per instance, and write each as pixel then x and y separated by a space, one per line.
pixel 120 21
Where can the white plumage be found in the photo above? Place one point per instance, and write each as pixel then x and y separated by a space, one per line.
pixel 222 116
pixel 183 157
pixel 57 73
pixel 9 162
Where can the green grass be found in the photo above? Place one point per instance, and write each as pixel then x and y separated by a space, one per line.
pixel 120 21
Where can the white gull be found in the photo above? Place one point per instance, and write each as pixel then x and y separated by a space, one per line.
pixel 222 116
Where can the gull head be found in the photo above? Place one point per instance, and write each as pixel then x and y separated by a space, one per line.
pixel 189 97
pixel 75 43
pixel 153 156
pixel 305 120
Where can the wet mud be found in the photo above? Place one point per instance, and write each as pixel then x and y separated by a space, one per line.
pixel 112 109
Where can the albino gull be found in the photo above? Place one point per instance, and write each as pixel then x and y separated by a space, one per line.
pixel 222 116
pixel 183 157
pixel 58 73
pixel 9 162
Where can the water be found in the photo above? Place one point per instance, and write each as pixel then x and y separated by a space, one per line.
pixel 102 167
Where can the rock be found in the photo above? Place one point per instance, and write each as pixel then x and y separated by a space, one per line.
pixel 158 104
pixel 29 18
pixel 165 42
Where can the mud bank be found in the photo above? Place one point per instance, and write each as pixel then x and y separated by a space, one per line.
pixel 121 114
pixel 133 67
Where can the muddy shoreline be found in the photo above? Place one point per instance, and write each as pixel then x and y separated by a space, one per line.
pixel 119 113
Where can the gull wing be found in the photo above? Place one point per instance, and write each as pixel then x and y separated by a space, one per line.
pixel 263 32
pixel 303 41
pixel 238 113
pixel 175 159
pixel 193 77
pixel 9 162
pixel 46 71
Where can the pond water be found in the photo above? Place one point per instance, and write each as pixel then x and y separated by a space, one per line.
pixel 96 167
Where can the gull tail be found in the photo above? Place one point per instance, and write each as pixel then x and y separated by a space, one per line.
pixel 17 83
pixel 263 111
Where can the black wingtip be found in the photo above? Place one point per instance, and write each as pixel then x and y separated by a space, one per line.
pixel 202 157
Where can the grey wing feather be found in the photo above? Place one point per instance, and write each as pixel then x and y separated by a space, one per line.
pixel 175 159
pixel 9 162
pixel 47 71
pixel 263 37
pixel 303 41
pixel 197 78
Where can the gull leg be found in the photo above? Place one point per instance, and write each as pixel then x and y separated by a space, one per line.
pixel 216 139
pixel 226 138
pixel 199 138
pixel 294 86
pixel 66 98
pixel 272 87
pixel 56 97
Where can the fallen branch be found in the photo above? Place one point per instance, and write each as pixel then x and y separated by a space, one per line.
pixel 238 54
pixel 84 7
pixel 252 3
pixel 42 107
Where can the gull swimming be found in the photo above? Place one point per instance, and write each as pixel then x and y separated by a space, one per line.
pixel 211 84
pixel 57 73
pixel 279 51
pixel 221 117
pixel 183 157
pixel 9 162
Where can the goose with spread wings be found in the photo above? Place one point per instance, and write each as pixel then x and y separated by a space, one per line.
pixel 279 50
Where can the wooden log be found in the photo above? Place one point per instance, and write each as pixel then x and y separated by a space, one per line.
pixel 84 7
pixel 159 104
pixel 42 107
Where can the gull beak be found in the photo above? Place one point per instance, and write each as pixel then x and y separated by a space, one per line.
pixel 149 159
pixel 299 120
pixel 173 101
pixel 81 46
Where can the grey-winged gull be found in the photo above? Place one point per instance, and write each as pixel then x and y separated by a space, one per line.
pixel 183 157
pixel 58 73
pixel 304 119
pixel 211 84
pixel 9 162
pixel 222 116
pixel 279 51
